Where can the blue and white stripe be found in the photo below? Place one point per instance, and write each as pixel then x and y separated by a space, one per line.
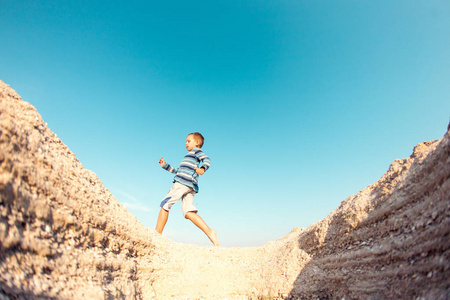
pixel 185 173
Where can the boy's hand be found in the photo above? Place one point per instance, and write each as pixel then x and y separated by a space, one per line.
pixel 162 162
pixel 200 171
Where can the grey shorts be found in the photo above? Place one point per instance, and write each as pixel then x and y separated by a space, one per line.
pixel 180 191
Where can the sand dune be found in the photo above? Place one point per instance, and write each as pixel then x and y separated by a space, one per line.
pixel 63 235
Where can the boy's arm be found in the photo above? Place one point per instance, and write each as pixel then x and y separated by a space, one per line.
pixel 206 162
pixel 166 166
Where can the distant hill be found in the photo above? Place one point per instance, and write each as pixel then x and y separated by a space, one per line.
pixel 63 235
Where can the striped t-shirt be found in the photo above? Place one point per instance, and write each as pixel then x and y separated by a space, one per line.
pixel 185 174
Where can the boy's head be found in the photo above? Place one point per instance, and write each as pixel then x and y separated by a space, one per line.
pixel 194 140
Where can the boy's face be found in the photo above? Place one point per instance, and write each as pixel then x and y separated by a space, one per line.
pixel 191 143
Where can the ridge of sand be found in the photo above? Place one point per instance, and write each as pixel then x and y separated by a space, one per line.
pixel 63 235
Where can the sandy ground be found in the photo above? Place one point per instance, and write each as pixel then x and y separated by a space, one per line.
pixel 63 235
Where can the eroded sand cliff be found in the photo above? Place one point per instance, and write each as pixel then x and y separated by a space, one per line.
pixel 64 236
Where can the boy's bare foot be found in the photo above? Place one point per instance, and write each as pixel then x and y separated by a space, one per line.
pixel 213 238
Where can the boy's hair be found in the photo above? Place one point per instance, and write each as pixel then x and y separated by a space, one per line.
pixel 198 137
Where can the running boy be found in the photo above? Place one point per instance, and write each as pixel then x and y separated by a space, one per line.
pixel 186 186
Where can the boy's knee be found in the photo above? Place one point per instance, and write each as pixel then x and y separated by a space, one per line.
pixel 188 215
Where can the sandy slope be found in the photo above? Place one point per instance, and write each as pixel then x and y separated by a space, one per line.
pixel 64 236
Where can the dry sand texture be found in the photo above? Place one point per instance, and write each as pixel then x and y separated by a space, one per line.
pixel 63 235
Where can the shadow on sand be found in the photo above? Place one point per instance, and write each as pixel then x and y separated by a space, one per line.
pixel 391 241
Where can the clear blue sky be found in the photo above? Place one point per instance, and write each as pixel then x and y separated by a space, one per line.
pixel 302 103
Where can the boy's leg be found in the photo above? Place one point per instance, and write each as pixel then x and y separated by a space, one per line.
pixel 162 220
pixel 198 221
pixel 174 194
